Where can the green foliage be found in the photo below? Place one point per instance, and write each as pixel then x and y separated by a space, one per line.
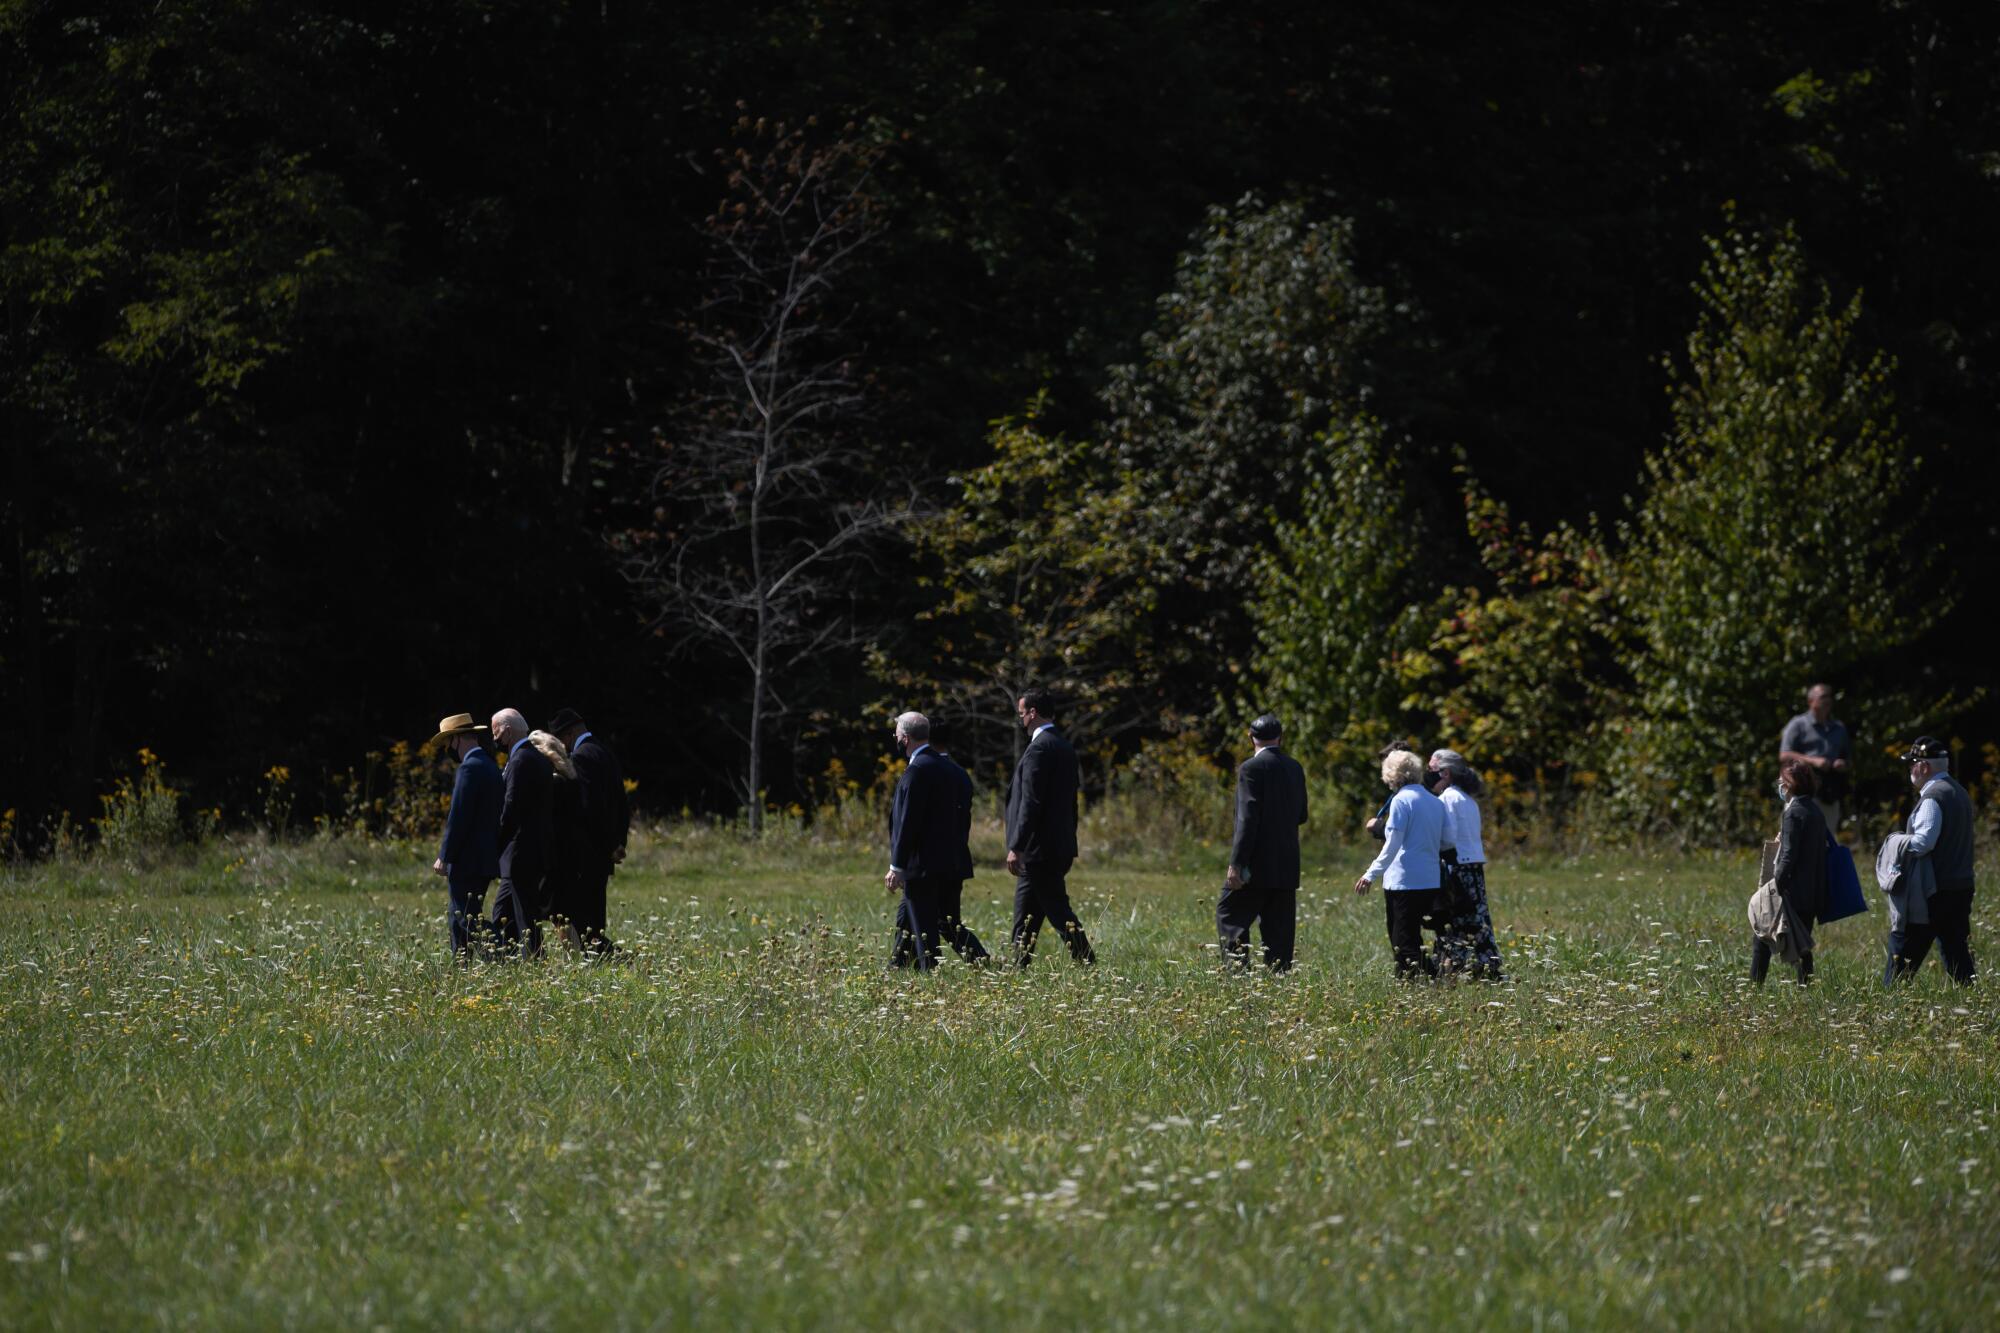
pixel 1777 542
pixel 1040 572
pixel 1333 599
pixel 142 814
pixel 1523 672
pixel 1260 347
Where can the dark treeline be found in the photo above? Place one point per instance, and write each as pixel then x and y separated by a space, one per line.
pixel 353 365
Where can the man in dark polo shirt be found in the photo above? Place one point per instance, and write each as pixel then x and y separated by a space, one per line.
pixel 1815 739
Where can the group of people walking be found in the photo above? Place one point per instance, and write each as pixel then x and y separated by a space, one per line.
pixel 551 827
pixel 1432 864
pixel 1925 872
pixel 930 859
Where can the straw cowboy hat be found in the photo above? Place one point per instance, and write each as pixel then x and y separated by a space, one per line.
pixel 458 724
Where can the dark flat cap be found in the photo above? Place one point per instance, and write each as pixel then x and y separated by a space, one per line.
pixel 564 719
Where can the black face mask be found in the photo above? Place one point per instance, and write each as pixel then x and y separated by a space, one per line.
pixel 1434 781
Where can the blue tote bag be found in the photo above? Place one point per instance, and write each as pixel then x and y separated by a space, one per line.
pixel 1843 884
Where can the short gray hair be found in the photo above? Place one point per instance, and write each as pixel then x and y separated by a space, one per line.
pixel 914 725
pixel 1462 774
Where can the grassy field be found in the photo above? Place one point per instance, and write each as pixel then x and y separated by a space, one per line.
pixel 250 1092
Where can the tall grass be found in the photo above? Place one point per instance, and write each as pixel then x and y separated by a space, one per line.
pixel 272 1101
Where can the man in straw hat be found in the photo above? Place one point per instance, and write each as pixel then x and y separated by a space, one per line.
pixel 470 856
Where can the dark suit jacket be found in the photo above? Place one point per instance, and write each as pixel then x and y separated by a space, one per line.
pixel 962 807
pixel 1801 865
pixel 571 855
pixel 527 819
pixel 471 847
pixel 1041 802
pixel 606 813
pixel 926 836
pixel 1270 807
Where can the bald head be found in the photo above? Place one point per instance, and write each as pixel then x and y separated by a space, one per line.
pixel 509 726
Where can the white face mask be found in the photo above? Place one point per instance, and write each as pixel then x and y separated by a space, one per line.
pixel 1783 795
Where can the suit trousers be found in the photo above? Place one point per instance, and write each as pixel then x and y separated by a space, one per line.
pixel 1274 910
pixel 952 927
pixel 1409 911
pixel 514 924
pixel 1950 926
pixel 467 901
pixel 587 907
pixel 916 926
pixel 1760 957
pixel 1042 894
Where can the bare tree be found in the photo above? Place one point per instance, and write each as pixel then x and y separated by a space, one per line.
pixel 764 508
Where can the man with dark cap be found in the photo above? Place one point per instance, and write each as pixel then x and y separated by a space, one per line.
pixel 1940 829
pixel 607 818
pixel 1263 881
pixel 470 855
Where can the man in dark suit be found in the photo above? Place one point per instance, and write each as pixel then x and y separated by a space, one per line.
pixel 527 835
pixel 951 893
pixel 1263 882
pixel 928 857
pixel 470 855
pixel 1041 831
pixel 607 818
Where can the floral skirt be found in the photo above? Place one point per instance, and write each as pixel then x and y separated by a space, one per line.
pixel 1465 929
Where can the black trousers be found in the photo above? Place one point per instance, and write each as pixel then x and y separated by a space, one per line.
pixel 468 902
pixel 514 924
pixel 1760 958
pixel 1950 926
pixel 951 926
pixel 928 916
pixel 916 926
pixel 1042 894
pixel 588 893
pixel 1274 909
pixel 1409 912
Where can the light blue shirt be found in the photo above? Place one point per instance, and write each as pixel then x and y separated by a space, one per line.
pixel 515 748
pixel 1926 822
pixel 1410 842
pixel 580 740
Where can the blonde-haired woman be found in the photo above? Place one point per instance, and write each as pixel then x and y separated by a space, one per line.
pixel 1408 864
pixel 1465 940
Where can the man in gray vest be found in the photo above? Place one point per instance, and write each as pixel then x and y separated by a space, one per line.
pixel 1941 829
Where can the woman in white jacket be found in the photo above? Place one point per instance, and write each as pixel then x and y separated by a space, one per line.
pixel 1465 940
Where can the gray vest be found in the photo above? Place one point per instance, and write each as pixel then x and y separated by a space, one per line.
pixel 1951 859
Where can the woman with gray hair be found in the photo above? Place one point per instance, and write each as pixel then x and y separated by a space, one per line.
pixel 1408 862
pixel 1465 940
